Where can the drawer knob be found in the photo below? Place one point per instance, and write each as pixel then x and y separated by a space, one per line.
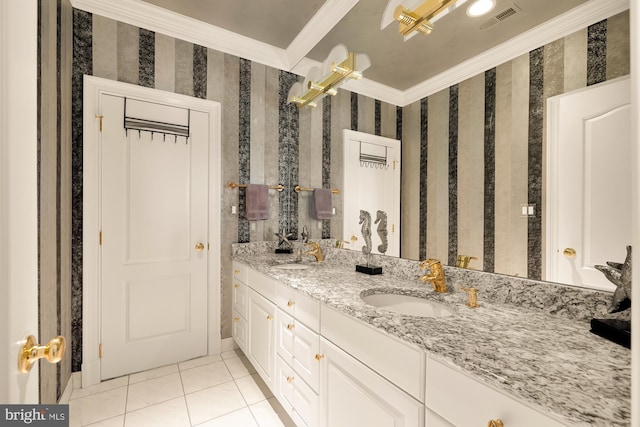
pixel 319 357
pixel 269 317
pixel 290 326
pixel 235 319
pixel 236 272
pixel 291 303
pixel 495 423
pixel 235 285
pixel 290 379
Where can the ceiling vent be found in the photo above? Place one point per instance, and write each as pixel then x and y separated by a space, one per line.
pixel 501 16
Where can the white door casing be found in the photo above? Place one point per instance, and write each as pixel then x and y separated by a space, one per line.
pixel 154 213
pixel 589 182
pixel 18 196
pixel 371 188
pixel 96 89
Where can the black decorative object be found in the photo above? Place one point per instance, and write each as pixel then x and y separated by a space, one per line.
pixel 365 220
pixel 368 269
pixel 618 331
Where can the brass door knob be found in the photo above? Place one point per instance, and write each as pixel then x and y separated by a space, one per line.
pixel 290 379
pixel 319 357
pixel 495 423
pixel 354 239
pixel 569 253
pixel 31 352
pixel 290 326
pixel 269 317
pixel 291 303
pixel 199 247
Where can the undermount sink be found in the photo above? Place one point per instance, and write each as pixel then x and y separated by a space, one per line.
pixel 410 305
pixel 292 266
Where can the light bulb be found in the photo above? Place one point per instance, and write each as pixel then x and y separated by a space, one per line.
pixel 480 7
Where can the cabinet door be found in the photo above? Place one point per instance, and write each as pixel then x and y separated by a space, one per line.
pixel 239 331
pixel 262 337
pixel 353 395
pixel 240 294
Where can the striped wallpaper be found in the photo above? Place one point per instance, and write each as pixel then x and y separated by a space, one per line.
pixel 54 188
pixel 264 139
pixel 472 153
pixel 480 145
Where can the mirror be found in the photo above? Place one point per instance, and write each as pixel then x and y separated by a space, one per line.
pixel 507 105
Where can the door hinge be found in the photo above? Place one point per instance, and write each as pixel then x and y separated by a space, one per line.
pixel 100 350
pixel 393 228
pixel 100 116
pixel 100 237
pixel 394 164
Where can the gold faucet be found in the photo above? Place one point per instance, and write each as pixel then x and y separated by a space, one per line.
pixel 473 297
pixel 464 260
pixel 316 251
pixel 436 275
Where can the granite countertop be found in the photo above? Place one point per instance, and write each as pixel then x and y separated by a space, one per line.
pixel 543 359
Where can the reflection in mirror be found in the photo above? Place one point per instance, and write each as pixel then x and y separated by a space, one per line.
pixel 473 154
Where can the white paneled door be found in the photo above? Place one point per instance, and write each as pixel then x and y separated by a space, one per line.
pixel 589 182
pixel 154 210
pixel 372 184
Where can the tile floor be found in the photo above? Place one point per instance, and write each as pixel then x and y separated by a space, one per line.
pixel 212 391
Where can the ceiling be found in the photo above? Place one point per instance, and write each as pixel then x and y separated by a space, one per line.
pixel 395 63
pixel 296 35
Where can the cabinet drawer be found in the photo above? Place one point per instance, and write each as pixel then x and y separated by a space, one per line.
pixel 395 360
pixel 239 331
pixel 300 401
pixel 263 284
pixel 284 336
pixel 302 307
pixel 239 272
pixel 464 401
pixel 299 347
pixel 240 298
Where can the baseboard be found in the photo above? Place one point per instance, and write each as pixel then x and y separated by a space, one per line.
pixel 227 344
pixel 74 382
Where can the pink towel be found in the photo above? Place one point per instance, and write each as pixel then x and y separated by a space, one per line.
pixel 322 208
pixel 257 202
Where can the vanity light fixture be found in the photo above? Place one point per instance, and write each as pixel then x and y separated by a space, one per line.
pixel 419 17
pixel 480 7
pixel 339 66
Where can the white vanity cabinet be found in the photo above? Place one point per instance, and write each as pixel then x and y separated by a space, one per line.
pixel 454 399
pixel 329 369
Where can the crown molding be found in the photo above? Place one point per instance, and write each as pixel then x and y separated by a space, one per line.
pixel 375 90
pixel 569 22
pixel 331 12
pixel 145 15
